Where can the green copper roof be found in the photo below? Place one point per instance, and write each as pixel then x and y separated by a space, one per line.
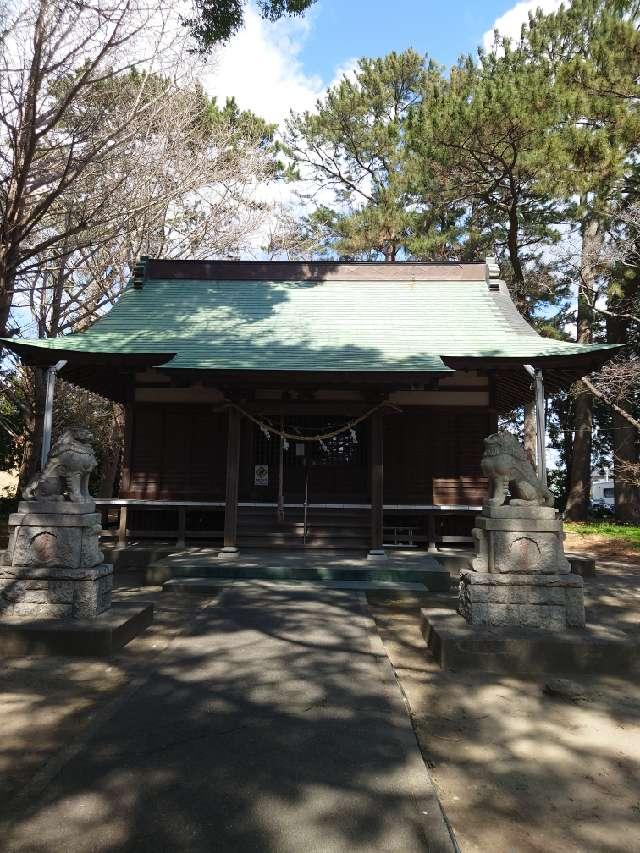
pixel 329 325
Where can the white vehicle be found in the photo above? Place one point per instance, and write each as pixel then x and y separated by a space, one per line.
pixel 602 492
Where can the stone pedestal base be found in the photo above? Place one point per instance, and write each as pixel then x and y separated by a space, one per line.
pixel 455 645
pixel 54 592
pixel 550 601
pixel 97 637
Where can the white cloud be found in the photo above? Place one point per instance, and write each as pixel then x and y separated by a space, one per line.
pixel 511 22
pixel 260 67
pixel 345 69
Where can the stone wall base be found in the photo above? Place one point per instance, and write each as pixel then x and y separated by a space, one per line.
pixel 537 600
pixel 53 592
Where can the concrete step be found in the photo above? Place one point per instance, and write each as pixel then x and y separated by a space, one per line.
pixel 203 586
pixel 432 576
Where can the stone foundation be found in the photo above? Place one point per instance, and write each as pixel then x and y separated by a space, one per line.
pixel 54 592
pixel 550 601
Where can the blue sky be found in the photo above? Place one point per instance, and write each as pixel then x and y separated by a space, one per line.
pixel 272 68
pixel 342 29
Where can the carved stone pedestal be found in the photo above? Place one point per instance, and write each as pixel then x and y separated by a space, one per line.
pixel 55 590
pixel 553 602
pixel 55 566
pixel 520 575
pixel 55 593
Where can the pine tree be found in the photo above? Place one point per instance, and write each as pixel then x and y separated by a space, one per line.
pixel 383 205
pixel 591 50
pixel 486 135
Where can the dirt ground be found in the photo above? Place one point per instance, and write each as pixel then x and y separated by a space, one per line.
pixel 49 703
pixel 517 770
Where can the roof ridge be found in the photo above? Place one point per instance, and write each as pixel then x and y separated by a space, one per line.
pixel 166 269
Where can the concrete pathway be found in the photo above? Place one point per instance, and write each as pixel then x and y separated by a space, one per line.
pixel 271 721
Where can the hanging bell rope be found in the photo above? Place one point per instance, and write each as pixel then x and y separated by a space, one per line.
pixel 268 427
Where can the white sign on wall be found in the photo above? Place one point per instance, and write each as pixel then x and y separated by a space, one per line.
pixel 261 475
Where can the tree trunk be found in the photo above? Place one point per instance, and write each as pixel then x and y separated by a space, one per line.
pixel 567 446
pixel 112 459
pixel 6 294
pixel 625 435
pixel 530 430
pixel 580 479
pixel 5 308
pixel 30 464
pixel 627 496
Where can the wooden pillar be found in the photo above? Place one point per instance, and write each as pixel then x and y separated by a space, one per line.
pixel 432 544
pixel 493 404
pixel 377 491
pixel 127 451
pixel 182 526
pixel 122 526
pixel 233 475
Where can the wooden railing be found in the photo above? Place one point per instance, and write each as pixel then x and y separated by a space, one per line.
pixel 413 535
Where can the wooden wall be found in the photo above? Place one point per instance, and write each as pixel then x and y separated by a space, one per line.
pixel 177 452
pixel 433 455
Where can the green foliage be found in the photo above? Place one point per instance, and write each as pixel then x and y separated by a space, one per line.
pixel 486 135
pixel 75 406
pixel 215 21
pixel 12 421
pixel 355 144
pixel 518 150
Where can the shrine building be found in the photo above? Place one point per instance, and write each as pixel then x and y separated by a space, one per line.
pixel 286 404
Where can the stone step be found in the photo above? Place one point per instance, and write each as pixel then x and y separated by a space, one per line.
pixel 432 577
pixel 209 585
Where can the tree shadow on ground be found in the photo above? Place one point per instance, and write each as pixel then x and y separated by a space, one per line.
pixel 261 726
pixel 517 769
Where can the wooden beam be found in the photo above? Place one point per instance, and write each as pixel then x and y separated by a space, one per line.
pixel 233 476
pixel 377 481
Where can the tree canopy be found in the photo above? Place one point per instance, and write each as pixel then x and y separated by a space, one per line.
pixel 215 21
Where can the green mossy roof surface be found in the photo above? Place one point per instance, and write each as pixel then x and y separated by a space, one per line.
pixel 313 325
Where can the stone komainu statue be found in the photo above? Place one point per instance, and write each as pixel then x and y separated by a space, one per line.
pixel 506 465
pixel 66 474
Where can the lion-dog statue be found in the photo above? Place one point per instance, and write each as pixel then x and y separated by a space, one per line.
pixel 66 474
pixel 506 465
